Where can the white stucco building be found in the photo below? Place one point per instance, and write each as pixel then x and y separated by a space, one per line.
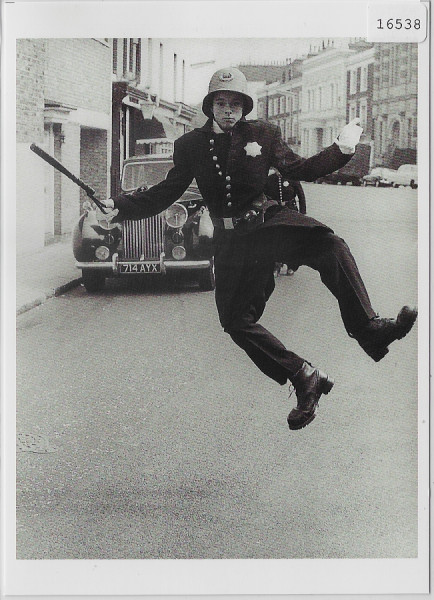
pixel 324 96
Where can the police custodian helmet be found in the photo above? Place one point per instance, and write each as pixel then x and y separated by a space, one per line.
pixel 227 80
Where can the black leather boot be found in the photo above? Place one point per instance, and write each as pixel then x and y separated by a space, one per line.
pixel 309 383
pixel 376 336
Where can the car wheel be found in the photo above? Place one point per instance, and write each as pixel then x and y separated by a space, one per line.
pixel 365 184
pixel 207 278
pixel 395 185
pixel 377 184
pixel 413 185
pixel 93 281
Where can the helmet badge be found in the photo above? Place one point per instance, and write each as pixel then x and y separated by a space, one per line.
pixel 226 76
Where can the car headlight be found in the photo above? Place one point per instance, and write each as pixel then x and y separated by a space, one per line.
pixel 102 253
pixel 179 252
pixel 176 215
pixel 177 237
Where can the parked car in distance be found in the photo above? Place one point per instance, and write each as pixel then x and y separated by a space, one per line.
pixel 176 240
pixel 353 171
pixel 405 175
pixel 378 177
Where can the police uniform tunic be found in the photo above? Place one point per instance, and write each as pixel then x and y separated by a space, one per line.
pixel 231 172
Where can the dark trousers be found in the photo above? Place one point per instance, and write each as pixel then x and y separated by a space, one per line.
pixel 244 282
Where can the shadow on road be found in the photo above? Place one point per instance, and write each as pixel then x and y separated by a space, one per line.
pixel 154 286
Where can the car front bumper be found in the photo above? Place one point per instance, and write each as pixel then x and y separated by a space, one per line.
pixel 113 267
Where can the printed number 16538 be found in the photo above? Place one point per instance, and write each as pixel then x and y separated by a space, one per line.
pixel 398 24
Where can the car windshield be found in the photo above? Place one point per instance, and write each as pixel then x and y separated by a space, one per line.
pixel 137 174
pixel 149 173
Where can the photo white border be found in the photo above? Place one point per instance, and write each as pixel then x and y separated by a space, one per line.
pixel 197 577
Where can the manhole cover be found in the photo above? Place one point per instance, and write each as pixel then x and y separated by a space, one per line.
pixel 29 442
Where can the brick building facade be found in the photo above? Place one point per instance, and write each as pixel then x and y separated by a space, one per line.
pixel 30 180
pixel 64 105
pixel 395 104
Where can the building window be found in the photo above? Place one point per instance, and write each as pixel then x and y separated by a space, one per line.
pixel 320 97
pixel 364 79
pixel 353 81
pixel 115 56
pixel 183 82
pixel 283 104
pixel 385 73
pixel 131 56
pixel 363 115
pixel 175 77
pixel 380 136
pixel 288 104
pixel 359 77
pixel 125 57
pixel 161 71
pixel 138 58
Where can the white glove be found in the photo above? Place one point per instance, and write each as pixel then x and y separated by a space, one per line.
pixel 349 137
pixel 103 218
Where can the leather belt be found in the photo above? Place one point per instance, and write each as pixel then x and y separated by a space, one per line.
pixel 249 217
pixel 248 220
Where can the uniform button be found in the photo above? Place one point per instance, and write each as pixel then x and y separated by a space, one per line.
pixel 217 166
pixel 228 187
pixel 228 196
pixel 211 142
pixel 211 149
pixel 220 173
pixel 215 158
pixel 228 177
pixel 229 204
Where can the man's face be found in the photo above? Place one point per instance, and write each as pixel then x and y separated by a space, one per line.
pixel 227 108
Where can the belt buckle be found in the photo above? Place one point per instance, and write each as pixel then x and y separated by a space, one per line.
pixel 228 223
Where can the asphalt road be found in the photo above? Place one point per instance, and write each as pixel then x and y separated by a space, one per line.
pixel 157 438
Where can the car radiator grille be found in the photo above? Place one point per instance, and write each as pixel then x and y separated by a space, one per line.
pixel 144 238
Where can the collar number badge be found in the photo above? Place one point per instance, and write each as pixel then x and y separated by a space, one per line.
pixel 253 149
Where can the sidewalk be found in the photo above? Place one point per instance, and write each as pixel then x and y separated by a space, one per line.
pixel 44 274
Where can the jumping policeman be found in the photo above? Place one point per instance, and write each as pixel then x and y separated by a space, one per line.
pixel 230 158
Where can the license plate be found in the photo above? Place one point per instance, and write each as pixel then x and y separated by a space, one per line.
pixel 140 268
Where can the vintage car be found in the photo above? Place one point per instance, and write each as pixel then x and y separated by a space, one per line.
pixel 405 175
pixel 176 240
pixel 353 171
pixel 379 177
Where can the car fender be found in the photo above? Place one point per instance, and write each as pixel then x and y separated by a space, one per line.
pixel 78 248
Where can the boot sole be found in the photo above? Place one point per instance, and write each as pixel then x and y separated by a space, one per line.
pixel 326 387
pixel 378 353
